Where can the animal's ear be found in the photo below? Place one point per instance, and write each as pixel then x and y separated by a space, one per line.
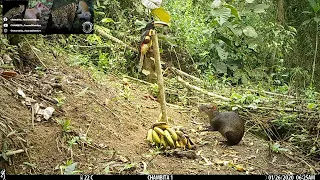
pixel 39 4
pixel 214 107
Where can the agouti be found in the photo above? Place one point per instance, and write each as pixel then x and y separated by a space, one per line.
pixel 229 124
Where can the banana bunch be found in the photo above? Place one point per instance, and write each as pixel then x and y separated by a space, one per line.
pixel 162 135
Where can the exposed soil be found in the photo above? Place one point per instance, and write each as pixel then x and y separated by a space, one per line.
pixel 116 118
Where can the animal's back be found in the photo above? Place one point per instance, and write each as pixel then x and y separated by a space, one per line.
pixel 231 126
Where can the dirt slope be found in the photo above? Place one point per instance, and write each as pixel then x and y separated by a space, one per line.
pixel 116 117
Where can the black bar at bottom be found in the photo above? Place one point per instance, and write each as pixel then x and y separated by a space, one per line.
pixel 165 177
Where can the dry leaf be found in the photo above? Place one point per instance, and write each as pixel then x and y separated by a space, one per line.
pixel 274 159
pixel 218 162
pixel 226 163
pixel 36 108
pixel 38 119
pixel 106 102
pixel 199 152
pixel 152 4
pixel 125 81
pixel 8 74
pixel 145 72
pixel 6 59
pixel 21 93
pixel 28 101
pixel 123 159
pixel 239 168
pixel 48 112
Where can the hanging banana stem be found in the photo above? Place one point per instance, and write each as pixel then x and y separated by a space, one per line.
pixel 162 99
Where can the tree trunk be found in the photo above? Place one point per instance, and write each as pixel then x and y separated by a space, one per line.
pixel 280 13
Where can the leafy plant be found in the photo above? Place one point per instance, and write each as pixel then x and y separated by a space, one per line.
pixel 69 168
pixel 66 125
pixel 277 149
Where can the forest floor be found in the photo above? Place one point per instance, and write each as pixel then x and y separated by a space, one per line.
pixel 116 116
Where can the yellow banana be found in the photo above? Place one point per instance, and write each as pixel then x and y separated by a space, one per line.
pixel 178 144
pixel 149 136
pixel 179 133
pixel 164 126
pixel 189 146
pixel 189 139
pixel 158 130
pixel 173 134
pixel 155 137
pixel 184 140
pixel 163 141
pixel 158 124
pixel 181 144
pixel 168 137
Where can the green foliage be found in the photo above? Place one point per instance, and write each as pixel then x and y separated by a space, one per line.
pixel 69 168
pixel 277 149
pixel 232 39
pixel 66 125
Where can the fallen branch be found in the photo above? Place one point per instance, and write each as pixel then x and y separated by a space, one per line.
pixel 176 106
pixel 114 39
pixel 185 74
pixel 48 99
pixel 4 66
pixel 139 80
pixel 284 109
pixel 10 153
pixel 270 93
pixel 202 90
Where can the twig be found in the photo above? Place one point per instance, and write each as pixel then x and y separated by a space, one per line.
pixel 32 114
pixel 9 153
pixel 104 106
pixel 26 150
pixel 4 66
pixel 88 128
pixel 206 160
pixel 3 113
pixel 186 74
pixel 88 46
pixel 104 34
pixel 201 90
pixel 35 53
pixel 285 109
pixel 176 106
pixel 270 93
pixel 139 80
pixel 48 99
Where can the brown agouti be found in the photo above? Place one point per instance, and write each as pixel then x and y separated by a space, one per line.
pixel 229 124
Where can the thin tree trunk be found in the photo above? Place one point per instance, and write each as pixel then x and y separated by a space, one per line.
pixel 315 53
pixel 162 98
pixel 280 13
